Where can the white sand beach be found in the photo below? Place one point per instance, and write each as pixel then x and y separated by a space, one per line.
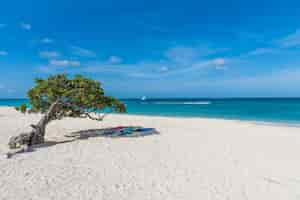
pixel 191 158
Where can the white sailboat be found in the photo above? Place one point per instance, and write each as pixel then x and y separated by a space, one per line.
pixel 144 98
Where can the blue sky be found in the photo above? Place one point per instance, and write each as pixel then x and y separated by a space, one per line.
pixel 154 48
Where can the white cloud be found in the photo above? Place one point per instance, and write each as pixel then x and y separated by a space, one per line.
pixel 163 69
pixel 176 61
pixel 26 26
pixel 64 63
pixel 47 40
pixel 291 40
pixel 114 60
pixel 261 51
pixel 278 45
pixel 141 69
pixel 49 54
pixel 153 71
pixel 3 53
pixel 218 61
pixel 82 52
pixel 179 60
pixel 56 66
pixel 188 55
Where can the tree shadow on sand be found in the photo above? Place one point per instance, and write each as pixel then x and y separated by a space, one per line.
pixel 112 133
pixel 86 134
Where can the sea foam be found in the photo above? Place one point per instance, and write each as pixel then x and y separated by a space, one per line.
pixel 183 103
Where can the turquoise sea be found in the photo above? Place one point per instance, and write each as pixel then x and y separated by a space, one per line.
pixel 278 110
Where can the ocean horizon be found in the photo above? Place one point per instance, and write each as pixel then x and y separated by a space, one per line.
pixel 269 110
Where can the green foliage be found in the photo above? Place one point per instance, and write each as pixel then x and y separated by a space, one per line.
pixel 22 108
pixel 78 94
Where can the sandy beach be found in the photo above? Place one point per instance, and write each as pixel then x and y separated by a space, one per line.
pixel 191 158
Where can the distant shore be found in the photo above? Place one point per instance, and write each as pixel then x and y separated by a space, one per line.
pixel 191 158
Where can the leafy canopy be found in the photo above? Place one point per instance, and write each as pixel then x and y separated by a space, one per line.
pixel 22 108
pixel 78 96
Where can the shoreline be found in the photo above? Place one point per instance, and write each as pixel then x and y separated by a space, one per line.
pixel 256 122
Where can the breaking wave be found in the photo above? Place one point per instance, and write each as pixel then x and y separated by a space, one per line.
pixel 183 103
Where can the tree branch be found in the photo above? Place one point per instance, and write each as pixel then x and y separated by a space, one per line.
pixel 100 118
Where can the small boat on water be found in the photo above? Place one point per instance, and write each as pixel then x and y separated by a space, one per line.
pixel 144 98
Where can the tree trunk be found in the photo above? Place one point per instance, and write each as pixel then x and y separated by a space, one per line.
pixel 37 135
